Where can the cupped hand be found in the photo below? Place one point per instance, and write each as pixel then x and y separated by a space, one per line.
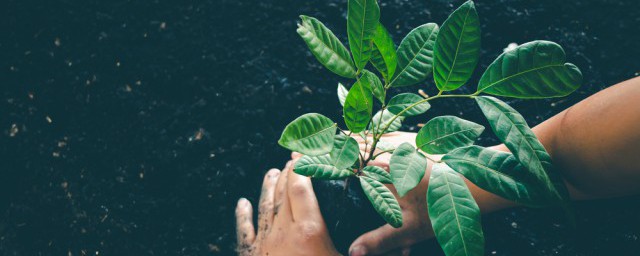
pixel 289 219
pixel 416 227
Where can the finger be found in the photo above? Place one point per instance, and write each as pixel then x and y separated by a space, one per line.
pixel 379 241
pixel 304 204
pixel 296 155
pixel 244 224
pixel 282 209
pixel 267 196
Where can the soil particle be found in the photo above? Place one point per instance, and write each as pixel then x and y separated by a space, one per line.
pixel 171 112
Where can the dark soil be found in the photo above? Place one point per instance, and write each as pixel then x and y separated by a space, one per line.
pixel 132 127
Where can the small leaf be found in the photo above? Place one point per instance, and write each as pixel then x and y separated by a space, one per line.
pixel 411 101
pixel 358 105
pixel 407 168
pixel 454 214
pixel 445 133
pixel 362 20
pixel 512 129
pixel 376 85
pixel 385 146
pixel 378 174
pixel 345 151
pixel 320 167
pixel 382 200
pixel 531 71
pixel 499 173
pixel 310 134
pixel 326 47
pixel 383 56
pixel 457 48
pixel 342 94
pixel 383 119
pixel 415 56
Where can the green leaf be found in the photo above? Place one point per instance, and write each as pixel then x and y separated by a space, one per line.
pixel 512 129
pixel 411 101
pixel 326 47
pixel 531 71
pixel 499 173
pixel 407 168
pixel 415 55
pixel 385 146
pixel 320 167
pixel 445 133
pixel 310 134
pixel 383 55
pixel 457 48
pixel 382 200
pixel 377 173
pixel 376 85
pixel 383 119
pixel 358 105
pixel 362 20
pixel 342 94
pixel 454 214
pixel 345 151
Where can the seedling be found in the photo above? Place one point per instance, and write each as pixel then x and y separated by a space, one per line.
pixel 450 52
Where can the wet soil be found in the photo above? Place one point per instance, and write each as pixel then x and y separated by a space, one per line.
pixel 132 127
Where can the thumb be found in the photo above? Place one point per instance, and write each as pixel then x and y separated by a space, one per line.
pixel 379 241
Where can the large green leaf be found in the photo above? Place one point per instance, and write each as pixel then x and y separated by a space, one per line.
pixel 342 94
pixel 382 200
pixel 345 151
pixel 457 48
pixel 409 101
pixel 499 173
pixel 320 167
pixel 377 173
pixel 407 167
pixel 512 129
pixel 362 20
pixel 376 85
pixel 454 214
pixel 383 55
pixel 326 47
pixel 310 134
pixel 415 55
pixel 358 105
pixel 445 133
pixel 384 119
pixel 533 70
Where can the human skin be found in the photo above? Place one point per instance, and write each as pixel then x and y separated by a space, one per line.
pixel 289 220
pixel 594 144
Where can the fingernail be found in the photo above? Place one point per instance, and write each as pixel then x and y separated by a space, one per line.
pixel 358 251
pixel 273 173
pixel 242 202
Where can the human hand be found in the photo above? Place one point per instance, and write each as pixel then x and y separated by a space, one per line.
pixel 289 219
pixel 416 227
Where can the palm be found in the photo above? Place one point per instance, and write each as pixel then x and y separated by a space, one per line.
pixel 417 226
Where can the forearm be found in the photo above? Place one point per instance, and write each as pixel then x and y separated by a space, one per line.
pixel 594 144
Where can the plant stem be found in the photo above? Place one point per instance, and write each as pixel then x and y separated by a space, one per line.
pixel 377 136
pixel 376 155
pixel 432 160
pixel 440 95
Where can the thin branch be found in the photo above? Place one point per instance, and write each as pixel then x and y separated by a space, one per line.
pixel 423 101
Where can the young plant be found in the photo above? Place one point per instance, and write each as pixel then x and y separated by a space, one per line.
pixel 533 70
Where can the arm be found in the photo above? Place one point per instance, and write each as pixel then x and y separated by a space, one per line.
pixel 594 144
